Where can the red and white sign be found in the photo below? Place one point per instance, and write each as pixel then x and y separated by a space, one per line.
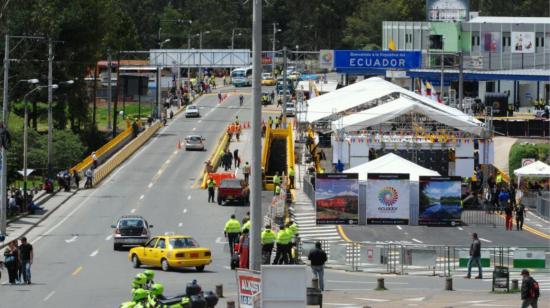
pixel 527 161
pixel 250 289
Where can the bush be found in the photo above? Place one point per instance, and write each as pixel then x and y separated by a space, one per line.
pixel 527 150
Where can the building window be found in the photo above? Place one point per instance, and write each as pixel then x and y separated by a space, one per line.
pixel 436 41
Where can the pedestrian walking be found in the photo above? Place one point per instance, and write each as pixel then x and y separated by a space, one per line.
pixel 76 177
pixel 11 261
pixel 530 290
pixel 246 172
pixel 503 199
pixel 276 122
pixel 211 185
pixel 475 256
pixel 89 174
pixel 318 258
pixel 236 159
pixel 67 179
pixel 26 256
pixel 219 97
pixel 508 212
pixel 244 249
pixel 270 122
pixel 520 214
pixel 238 132
pixel 232 231
pixel 95 162
pixel 267 240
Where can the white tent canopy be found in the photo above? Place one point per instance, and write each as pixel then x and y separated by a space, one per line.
pixel 372 89
pixel 536 169
pixel 391 163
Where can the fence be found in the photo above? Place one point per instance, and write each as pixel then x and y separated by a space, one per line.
pixel 538 201
pixel 428 260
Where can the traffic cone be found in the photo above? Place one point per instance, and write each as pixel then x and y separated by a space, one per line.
pixel 178 145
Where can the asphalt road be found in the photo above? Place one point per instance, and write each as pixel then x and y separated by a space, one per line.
pixel 75 264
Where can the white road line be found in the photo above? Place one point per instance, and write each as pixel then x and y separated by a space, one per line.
pixel 141 197
pixel 539 225
pixel 184 211
pixel 175 152
pixel 167 161
pixel 133 211
pixel 72 239
pixel 159 172
pixel 194 128
pixel 48 296
pixel 485 240
pixel 415 240
pixel 415 299
pixel 376 300
pixel 150 185
pixel 199 121
pixel 460 228
pixel 189 197
pixel 94 253
pixel 399 227
pixel 109 237
pixel 180 224
pixel 221 240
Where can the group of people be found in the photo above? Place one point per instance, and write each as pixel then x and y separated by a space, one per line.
pixel 229 160
pixel 234 129
pixel 18 258
pixel 16 202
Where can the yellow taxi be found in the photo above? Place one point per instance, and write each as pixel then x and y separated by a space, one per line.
pixel 268 80
pixel 171 251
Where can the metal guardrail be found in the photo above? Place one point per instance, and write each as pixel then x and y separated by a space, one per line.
pixel 539 201
pixel 423 260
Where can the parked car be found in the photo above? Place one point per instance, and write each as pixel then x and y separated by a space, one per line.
pixel 131 230
pixel 192 111
pixel 194 142
pixel 233 190
pixel 290 109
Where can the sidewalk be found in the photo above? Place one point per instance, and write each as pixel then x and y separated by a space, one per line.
pixel 421 298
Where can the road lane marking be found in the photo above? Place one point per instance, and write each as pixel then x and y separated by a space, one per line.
pixel 194 128
pixel 399 227
pixel 221 240
pixel 94 253
pixel 72 239
pixel 167 161
pixel 48 296
pixel 150 185
pixel 159 172
pixel 485 240
pixel 189 197
pixel 109 237
pixel 460 228
pixel 416 299
pixel 141 197
pixel 77 270
pixel 376 300
pixel 415 240
pixel 199 121
pixel 175 152
pixel 184 211
pixel 133 211
pixel 180 224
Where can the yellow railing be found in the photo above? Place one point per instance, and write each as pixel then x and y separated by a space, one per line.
pixel 87 162
pixel 215 157
pixel 269 136
pixel 107 167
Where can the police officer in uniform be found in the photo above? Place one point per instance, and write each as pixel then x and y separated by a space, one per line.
pixel 267 240
pixel 232 231
pixel 211 184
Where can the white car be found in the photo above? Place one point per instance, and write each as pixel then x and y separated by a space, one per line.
pixel 290 109
pixel 192 111
pixel 194 143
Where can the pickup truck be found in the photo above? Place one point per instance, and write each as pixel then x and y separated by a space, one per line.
pixel 233 190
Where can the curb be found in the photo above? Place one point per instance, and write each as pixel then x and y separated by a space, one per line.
pixel 51 211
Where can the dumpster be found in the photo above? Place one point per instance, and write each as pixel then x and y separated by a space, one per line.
pixel 501 278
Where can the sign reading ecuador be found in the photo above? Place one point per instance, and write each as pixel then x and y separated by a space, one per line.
pixel 351 60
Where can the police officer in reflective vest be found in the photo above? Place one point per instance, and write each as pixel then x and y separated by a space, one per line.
pixel 283 246
pixel 211 184
pixel 291 175
pixel 267 241
pixel 276 181
pixel 232 231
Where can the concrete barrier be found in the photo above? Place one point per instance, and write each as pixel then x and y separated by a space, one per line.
pixel 223 143
pixel 106 168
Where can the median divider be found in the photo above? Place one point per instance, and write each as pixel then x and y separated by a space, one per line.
pixel 106 168
pixel 223 143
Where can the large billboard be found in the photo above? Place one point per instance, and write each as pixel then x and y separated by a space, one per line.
pixel 447 10
pixel 439 200
pixel 337 198
pixel 249 288
pixel 523 42
pixel 357 60
pixel 388 198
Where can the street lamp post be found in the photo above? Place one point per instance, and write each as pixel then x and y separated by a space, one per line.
pixel 233 37
pixel 275 30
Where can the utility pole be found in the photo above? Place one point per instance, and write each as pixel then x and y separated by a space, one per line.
pixel 109 87
pixel 461 80
pixel 256 183
pixel 233 39
pixel 273 48
pixel 442 79
pixel 285 86
pixel 50 102
pixel 3 156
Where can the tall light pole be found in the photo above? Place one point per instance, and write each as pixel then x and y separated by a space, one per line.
pixel 233 37
pixel 256 183
pixel 275 30
pixel 164 42
pixel 50 112
pixel 25 137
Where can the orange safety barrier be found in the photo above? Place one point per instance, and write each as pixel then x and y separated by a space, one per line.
pixel 220 176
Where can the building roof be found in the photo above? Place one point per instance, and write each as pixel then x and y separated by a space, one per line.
pixel 452 74
pixel 509 20
pixel 391 163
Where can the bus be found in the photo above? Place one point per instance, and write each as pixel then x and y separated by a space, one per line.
pixel 241 77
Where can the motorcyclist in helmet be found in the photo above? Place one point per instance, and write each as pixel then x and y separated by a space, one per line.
pixel 139 299
pixel 156 298
pixel 150 275
pixel 139 282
